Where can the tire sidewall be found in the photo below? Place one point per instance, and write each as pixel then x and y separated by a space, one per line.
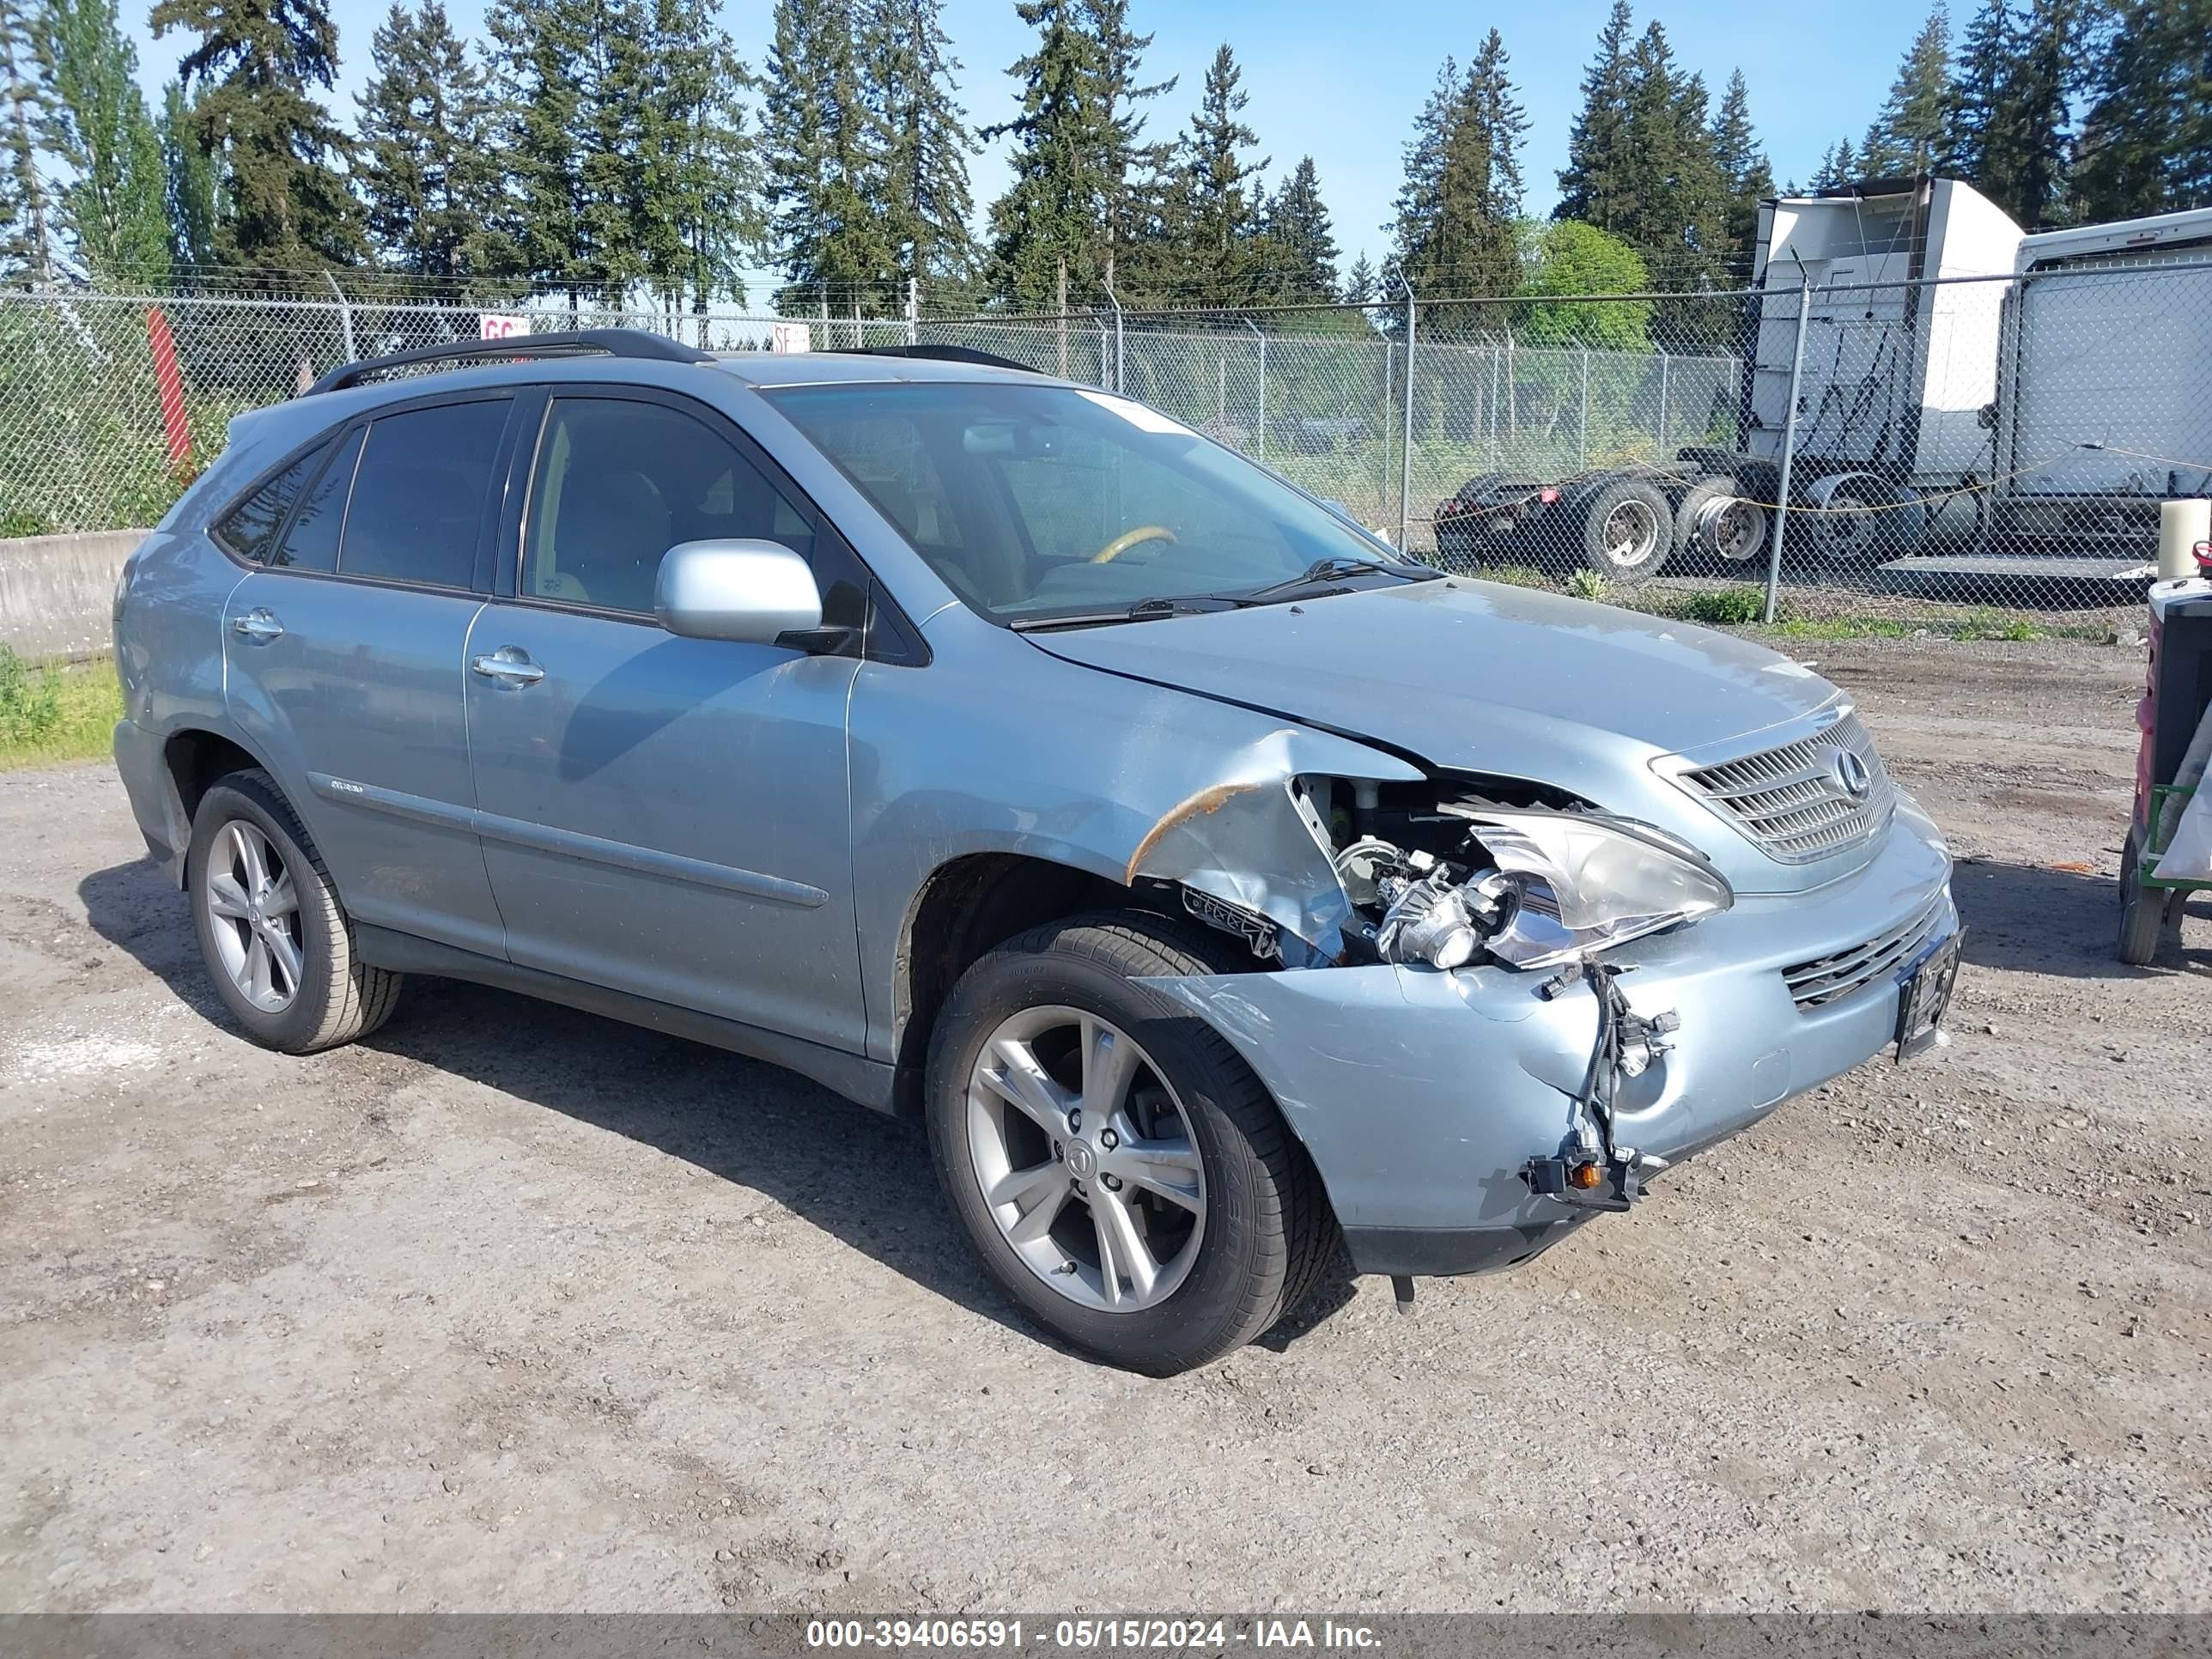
pixel 240 797
pixel 1602 506
pixel 1220 1282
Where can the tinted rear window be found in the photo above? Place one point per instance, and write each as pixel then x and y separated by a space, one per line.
pixel 251 527
pixel 419 493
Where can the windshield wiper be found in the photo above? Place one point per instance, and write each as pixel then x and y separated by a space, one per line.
pixel 1329 570
pixel 1189 604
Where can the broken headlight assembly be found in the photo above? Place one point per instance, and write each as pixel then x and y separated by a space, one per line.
pixel 1582 885
pixel 1530 888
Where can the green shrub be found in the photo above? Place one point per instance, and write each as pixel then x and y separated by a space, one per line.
pixel 1586 584
pixel 1722 607
pixel 30 700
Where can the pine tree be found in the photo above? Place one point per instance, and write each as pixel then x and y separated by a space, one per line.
pixel 1053 217
pixel 188 187
pixel 97 127
pixel 908 68
pixel 2027 146
pixel 1745 177
pixel 1138 172
pixel 699 179
pixel 430 172
pixel 26 230
pixel 2147 140
pixel 821 151
pixel 1301 248
pixel 571 79
pixel 1593 186
pixel 1216 229
pixel 1840 165
pixel 1461 194
pixel 1976 86
pixel 257 65
pixel 1908 134
pixel 1359 287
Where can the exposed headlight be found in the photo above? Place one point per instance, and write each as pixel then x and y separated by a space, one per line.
pixel 1586 884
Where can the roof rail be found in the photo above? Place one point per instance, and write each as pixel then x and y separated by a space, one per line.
pixel 940 354
pixel 633 343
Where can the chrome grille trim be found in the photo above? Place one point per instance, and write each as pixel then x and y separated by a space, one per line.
pixel 1829 979
pixel 1787 800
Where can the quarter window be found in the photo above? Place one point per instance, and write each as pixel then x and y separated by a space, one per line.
pixel 620 482
pixel 250 528
pixel 419 492
pixel 311 542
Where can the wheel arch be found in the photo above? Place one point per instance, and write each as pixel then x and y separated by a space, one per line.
pixel 963 908
pixel 194 759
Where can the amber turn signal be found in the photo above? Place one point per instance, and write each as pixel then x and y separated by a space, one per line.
pixel 1585 1176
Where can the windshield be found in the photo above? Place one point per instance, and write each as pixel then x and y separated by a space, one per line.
pixel 1041 501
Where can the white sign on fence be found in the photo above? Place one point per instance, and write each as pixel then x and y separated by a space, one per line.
pixel 492 325
pixel 790 337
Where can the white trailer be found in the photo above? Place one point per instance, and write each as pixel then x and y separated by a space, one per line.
pixel 2104 399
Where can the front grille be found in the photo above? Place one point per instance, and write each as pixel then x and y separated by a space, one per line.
pixel 1824 979
pixel 1793 801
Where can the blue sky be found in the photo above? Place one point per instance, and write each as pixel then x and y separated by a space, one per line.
pixel 1343 83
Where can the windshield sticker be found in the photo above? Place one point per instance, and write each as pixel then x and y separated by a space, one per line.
pixel 1146 419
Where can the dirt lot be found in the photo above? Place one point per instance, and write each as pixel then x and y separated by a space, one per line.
pixel 513 1308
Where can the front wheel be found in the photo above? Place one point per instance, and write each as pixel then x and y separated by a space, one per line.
pixel 1116 1165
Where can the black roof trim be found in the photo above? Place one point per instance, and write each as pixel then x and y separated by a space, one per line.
pixel 633 343
pixel 939 354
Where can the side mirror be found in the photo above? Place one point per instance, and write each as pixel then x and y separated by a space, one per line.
pixel 751 592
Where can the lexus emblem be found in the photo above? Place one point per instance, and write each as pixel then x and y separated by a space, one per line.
pixel 1851 774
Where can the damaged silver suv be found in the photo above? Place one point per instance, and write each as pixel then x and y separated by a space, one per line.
pixel 1212 882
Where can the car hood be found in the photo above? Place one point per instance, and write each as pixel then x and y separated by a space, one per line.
pixel 1476 677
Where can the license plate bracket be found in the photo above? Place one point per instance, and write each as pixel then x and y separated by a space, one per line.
pixel 1923 997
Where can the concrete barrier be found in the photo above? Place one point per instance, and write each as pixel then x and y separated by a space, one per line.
pixel 57 592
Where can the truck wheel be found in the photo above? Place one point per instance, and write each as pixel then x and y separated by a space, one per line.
pixel 1715 517
pixel 1850 524
pixel 1114 1163
pixel 1628 531
pixel 2142 912
pixel 276 941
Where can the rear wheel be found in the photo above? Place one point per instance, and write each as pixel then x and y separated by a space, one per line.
pixel 1628 531
pixel 1116 1165
pixel 275 942
pixel 1715 517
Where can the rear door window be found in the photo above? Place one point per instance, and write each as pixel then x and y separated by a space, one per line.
pixel 419 493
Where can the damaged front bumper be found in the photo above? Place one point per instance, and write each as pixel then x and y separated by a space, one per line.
pixel 1424 1096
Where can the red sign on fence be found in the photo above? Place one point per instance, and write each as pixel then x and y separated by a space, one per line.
pixel 169 382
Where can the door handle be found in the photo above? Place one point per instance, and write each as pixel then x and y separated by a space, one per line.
pixel 510 664
pixel 257 624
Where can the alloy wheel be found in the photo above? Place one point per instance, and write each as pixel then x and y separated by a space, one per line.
pixel 1085 1159
pixel 254 916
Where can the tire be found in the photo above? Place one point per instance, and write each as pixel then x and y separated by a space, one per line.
pixel 335 996
pixel 1717 518
pixel 1627 531
pixel 1262 1231
pixel 2142 912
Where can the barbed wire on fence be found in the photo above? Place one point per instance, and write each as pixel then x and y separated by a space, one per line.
pixel 1929 451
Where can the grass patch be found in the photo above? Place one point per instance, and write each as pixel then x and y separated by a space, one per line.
pixel 50 713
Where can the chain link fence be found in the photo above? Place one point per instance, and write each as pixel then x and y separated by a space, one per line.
pixel 1983 456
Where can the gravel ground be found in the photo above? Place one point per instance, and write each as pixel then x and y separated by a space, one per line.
pixel 513 1308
